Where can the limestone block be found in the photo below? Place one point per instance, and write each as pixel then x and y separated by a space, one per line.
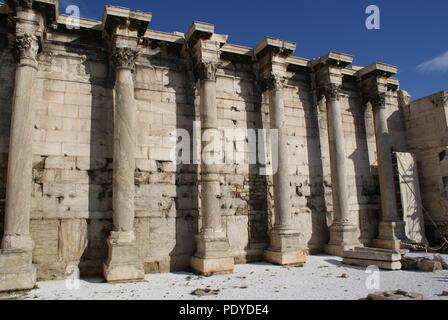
pixel 16 271
pixel 387 265
pixel 212 266
pixel 45 234
pixel 373 254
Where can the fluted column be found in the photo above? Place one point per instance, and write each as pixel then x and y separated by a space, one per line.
pixel 284 246
pixel 343 230
pixel 123 262
pixel 16 269
pixel 391 229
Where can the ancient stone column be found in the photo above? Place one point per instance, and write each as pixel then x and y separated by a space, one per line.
pixel 124 30
pixel 391 229
pixel 343 230
pixel 16 269
pixel 375 87
pixel 212 252
pixel 123 263
pixel 284 248
pixel 328 80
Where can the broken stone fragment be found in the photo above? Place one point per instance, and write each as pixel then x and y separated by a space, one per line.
pixel 395 295
pixel 443 262
pixel 205 292
pixel 421 264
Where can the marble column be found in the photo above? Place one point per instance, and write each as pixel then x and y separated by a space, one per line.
pixel 391 229
pixel 16 269
pixel 123 262
pixel 343 232
pixel 284 246
pixel 212 255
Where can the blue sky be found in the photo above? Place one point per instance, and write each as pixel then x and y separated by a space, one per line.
pixel 413 34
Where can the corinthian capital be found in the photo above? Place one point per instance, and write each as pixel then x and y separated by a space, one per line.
pixel 207 70
pixel 378 101
pixel 124 58
pixel 331 91
pixel 275 82
pixel 27 46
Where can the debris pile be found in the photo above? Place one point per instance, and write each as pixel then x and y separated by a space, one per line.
pixel 425 264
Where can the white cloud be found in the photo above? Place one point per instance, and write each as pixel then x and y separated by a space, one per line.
pixel 438 64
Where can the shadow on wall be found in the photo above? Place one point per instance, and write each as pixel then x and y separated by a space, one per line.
pixel 87 237
pixel 7 74
pixel 259 198
pixel 364 177
pixel 100 172
pixel 187 175
pixel 316 202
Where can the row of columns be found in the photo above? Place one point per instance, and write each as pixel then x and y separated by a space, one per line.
pixel 124 31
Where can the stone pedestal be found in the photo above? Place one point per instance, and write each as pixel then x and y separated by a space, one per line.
pixel 284 248
pixel 123 263
pixel 342 238
pixel 16 270
pixel 211 254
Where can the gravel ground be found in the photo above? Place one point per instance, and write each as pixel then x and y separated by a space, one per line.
pixel 323 277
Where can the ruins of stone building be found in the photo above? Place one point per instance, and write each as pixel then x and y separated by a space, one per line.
pixel 87 177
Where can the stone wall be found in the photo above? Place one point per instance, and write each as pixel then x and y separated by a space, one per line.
pixel 427 135
pixel 73 100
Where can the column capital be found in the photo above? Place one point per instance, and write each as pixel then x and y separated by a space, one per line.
pixel 204 48
pixel 27 46
pixel 124 30
pixel 125 58
pixel 331 91
pixel 207 70
pixel 272 82
pixel 378 100
pixel 272 54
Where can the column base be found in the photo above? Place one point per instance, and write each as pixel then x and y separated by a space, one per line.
pixel 387 244
pixel 342 238
pixel 390 235
pixel 285 248
pixel 212 266
pixel 17 271
pixel 123 264
pixel 285 258
pixel 212 255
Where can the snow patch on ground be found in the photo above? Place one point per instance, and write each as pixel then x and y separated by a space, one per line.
pixel 323 277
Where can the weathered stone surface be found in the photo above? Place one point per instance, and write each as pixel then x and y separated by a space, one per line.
pixel 98 157
pixel 395 295
pixel 387 265
pixel 421 264
pixel 373 254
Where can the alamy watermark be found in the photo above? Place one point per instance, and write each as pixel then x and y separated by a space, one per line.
pixel 373 21
pixel 257 147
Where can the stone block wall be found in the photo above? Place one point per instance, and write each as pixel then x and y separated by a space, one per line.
pixel 427 135
pixel 73 100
